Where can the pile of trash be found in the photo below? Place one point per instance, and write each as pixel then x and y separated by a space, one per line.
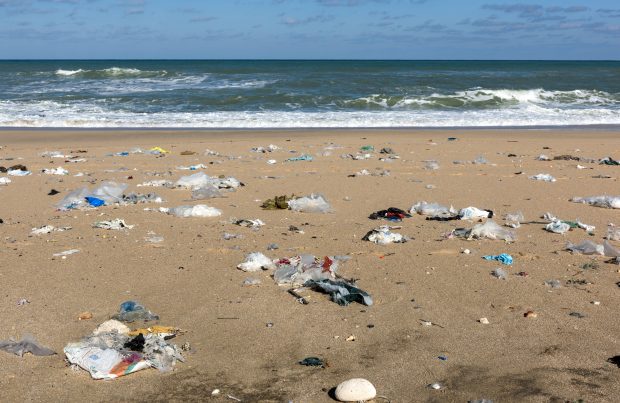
pixel 391 214
pixel 114 350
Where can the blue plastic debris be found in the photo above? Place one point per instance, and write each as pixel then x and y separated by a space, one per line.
pixel 131 311
pixel 303 157
pixel 502 258
pixel 94 201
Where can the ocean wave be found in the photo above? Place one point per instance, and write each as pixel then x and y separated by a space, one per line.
pixel 89 115
pixel 112 72
pixel 488 98
pixel 61 72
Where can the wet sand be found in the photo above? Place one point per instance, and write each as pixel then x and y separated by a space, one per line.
pixel 191 279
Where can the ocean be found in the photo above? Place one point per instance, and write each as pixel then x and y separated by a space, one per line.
pixel 307 94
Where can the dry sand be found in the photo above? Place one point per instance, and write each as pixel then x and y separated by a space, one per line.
pixel 190 279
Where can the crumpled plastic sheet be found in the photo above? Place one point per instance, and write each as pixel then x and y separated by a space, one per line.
pixel 299 269
pixel 586 247
pixel 116 224
pixel 108 192
pixel 315 203
pixel 514 220
pixel 26 345
pixel 256 262
pixel 558 227
pixel 198 210
pixel 433 210
pixel 201 179
pixel 503 258
pixel 599 201
pixel 492 230
pixel 131 311
pixel 543 177
pixel 383 236
pixel 303 157
pixel 206 192
pixel 472 213
pixel 342 292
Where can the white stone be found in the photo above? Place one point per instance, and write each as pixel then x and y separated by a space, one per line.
pixel 484 321
pixel 355 390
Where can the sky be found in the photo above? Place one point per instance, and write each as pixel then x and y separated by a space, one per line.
pixel 310 29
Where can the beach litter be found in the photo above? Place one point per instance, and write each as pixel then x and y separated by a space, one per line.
pixel 200 180
pixel 599 201
pixel 26 345
pixel 47 229
pixel 303 157
pixel 514 220
pixel 55 171
pixel 393 214
pixel 586 247
pixel 383 236
pixel 112 350
pixel 198 210
pixel 256 262
pixel 254 224
pixel 543 178
pixel 277 203
pixel 315 203
pixel 66 253
pixel 503 258
pixel 500 274
pixel 130 311
pixel 115 224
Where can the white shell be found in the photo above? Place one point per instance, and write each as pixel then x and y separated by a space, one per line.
pixel 354 390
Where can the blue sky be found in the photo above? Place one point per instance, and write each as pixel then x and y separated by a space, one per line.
pixel 298 29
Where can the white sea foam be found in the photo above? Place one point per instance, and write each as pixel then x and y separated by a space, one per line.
pixel 61 72
pixel 90 115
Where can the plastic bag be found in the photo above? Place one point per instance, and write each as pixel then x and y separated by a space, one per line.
pixel 110 192
pixel 502 258
pixel 199 210
pixel 558 227
pixel 514 220
pixel 491 230
pixel 586 247
pixel 26 345
pixel 116 224
pixel 342 292
pixel 543 177
pixel 383 236
pixel 613 232
pixel 315 203
pixel 131 311
pixel 473 213
pixel 74 199
pixel 104 363
pixel 599 201
pixel 206 192
pixel 433 210
pixel 256 262
pixel 299 269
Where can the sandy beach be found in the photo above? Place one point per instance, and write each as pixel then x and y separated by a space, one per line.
pixel 247 341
